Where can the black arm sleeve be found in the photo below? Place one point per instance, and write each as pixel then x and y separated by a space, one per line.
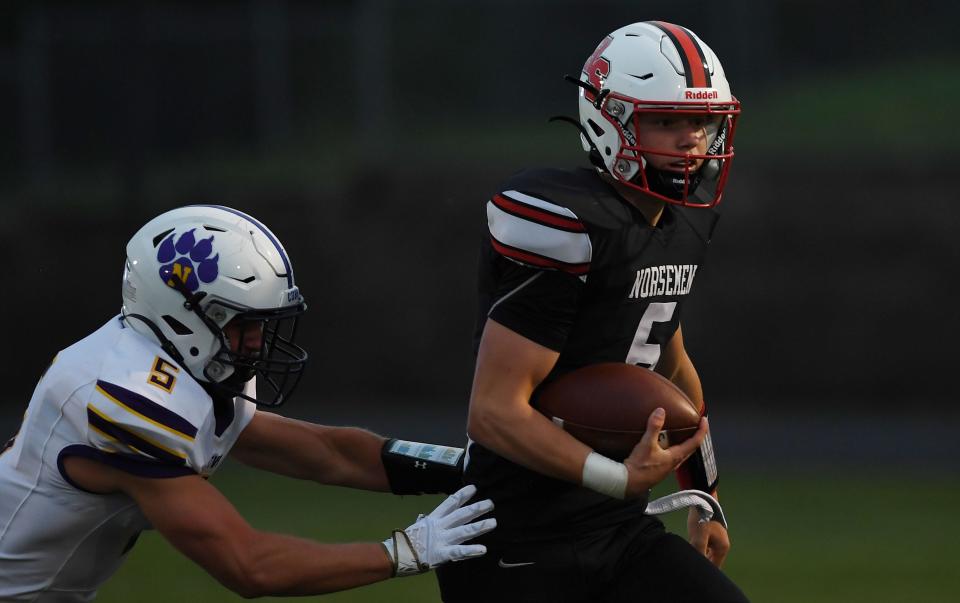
pixel 416 468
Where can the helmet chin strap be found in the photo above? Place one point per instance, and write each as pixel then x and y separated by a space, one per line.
pixel 670 184
pixel 165 344
pixel 711 167
pixel 595 158
pixel 191 303
pixel 233 384
pixel 229 386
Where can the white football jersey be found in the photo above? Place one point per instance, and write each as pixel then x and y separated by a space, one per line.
pixel 115 397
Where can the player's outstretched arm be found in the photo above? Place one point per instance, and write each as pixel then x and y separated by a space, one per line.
pixel 202 524
pixel 340 456
pixel 348 456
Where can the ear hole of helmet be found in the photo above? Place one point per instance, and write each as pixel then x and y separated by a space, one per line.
pixel 597 130
pixel 178 327
pixel 159 238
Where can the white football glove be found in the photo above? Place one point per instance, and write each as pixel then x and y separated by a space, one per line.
pixel 435 538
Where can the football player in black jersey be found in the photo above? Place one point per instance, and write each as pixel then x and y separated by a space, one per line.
pixel 588 266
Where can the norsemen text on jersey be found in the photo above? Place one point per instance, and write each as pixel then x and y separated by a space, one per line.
pixel 672 279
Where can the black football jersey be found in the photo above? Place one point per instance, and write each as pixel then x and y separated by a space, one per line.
pixel 571 265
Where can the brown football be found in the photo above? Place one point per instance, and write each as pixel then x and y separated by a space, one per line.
pixel 606 406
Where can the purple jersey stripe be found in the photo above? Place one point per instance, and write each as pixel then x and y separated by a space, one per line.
pixel 133 465
pixel 149 409
pixel 131 439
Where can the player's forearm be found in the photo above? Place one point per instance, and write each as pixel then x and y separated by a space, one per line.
pixel 675 364
pixel 358 463
pixel 343 456
pixel 700 470
pixel 687 379
pixel 276 564
pixel 521 434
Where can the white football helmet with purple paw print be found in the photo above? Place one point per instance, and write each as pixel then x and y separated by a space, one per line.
pixel 192 270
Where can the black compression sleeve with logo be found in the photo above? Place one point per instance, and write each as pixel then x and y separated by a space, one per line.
pixel 418 468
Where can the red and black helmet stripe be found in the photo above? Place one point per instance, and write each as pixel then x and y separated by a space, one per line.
pixel 694 63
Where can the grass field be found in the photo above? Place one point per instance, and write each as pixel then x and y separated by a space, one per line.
pixel 796 539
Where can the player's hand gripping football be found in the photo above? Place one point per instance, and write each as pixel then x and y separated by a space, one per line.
pixel 436 538
pixel 648 463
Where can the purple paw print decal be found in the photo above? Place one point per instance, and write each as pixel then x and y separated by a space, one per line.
pixel 187 260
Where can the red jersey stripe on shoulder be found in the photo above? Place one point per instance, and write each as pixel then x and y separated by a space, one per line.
pixel 694 63
pixel 538 261
pixel 537 214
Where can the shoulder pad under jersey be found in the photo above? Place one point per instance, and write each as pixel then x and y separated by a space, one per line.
pixel 142 404
pixel 126 422
pixel 538 233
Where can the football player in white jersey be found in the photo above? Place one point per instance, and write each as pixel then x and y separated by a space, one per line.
pixel 126 425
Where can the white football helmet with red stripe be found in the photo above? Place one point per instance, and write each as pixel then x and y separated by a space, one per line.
pixel 657 67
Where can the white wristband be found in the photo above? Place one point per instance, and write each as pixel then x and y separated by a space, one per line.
pixel 605 476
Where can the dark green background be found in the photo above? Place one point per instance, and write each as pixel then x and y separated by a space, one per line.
pixel 367 135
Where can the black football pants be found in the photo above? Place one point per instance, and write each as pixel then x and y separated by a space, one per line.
pixel 635 562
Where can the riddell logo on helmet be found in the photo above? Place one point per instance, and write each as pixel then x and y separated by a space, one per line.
pixel 700 94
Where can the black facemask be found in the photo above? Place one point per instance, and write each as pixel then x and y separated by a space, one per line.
pixel 278 364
